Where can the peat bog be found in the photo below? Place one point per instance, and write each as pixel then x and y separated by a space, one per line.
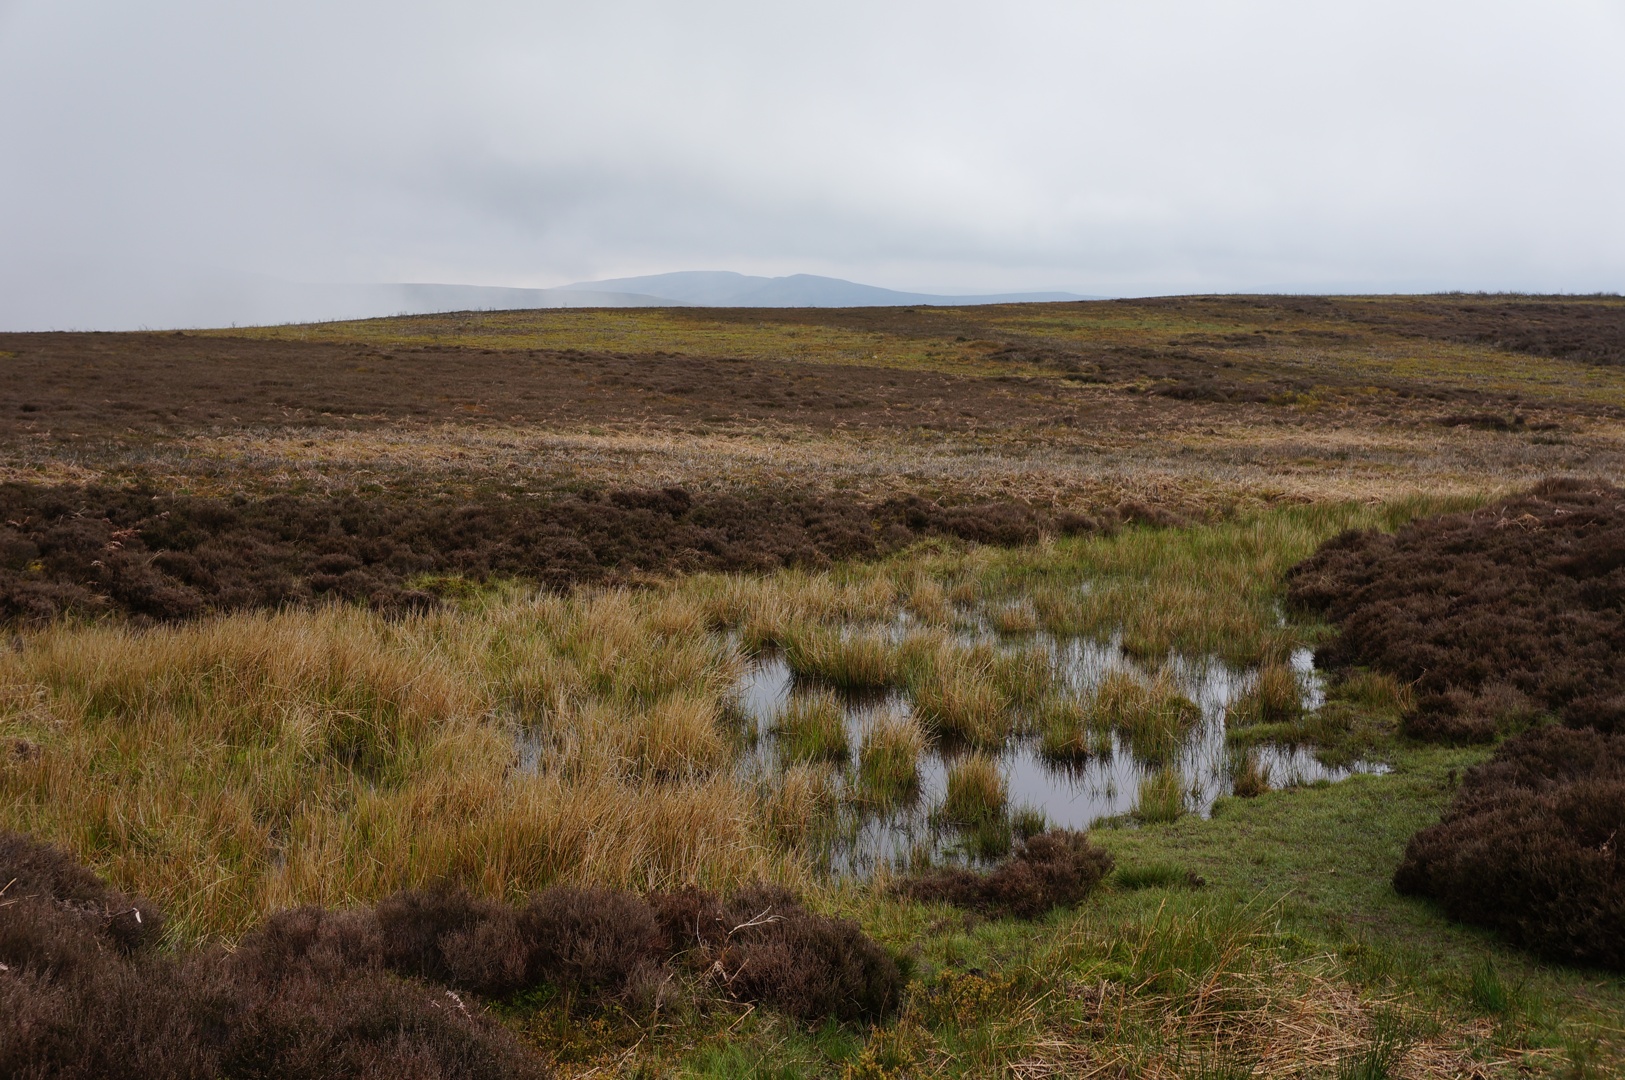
pixel 1169 688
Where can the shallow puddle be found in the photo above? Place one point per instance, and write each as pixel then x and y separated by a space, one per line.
pixel 1106 785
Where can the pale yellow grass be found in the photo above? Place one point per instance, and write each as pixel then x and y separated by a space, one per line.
pixel 248 763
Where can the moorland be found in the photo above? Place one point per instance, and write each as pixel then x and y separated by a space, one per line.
pixel 1182 687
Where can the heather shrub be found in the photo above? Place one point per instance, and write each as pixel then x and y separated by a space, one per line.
pixel 393 991
pixel 1052 869
pixel 306 997
pixel 1528 847
pixel 1496 616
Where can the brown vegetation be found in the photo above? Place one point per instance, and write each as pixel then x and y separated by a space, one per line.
pixel 1529 847
pixel 1053 869
pixel 1495 615
pixel 90 550
pixel 316 993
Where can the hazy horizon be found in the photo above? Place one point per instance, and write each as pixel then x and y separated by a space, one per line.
pixel 182 162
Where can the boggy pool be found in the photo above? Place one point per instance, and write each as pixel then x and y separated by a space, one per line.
pixel 1105 785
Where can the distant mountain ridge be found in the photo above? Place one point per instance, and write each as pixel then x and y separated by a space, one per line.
pixel 221 299
pixel 724 288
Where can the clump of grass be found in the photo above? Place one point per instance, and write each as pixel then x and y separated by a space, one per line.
pixel 963 703
pixel 1488 991
pixel 1028 821
pixel 1154 717
pixel 928 602
pixel 1375 691
pixel 1016 617
pixel 1249 777
pixel 854 661
pixel 1276 697
pixel 889 756
pixel 1023 676
pixel 798 801
pixel 1162 796
pixel 813 727
pixel 976 791
pixel 1067 733
pixel 1156 875
pixel 676 736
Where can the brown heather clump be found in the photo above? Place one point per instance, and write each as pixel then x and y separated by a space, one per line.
pixel 1495 616
pixel 159 556
pixel 1050 870
pixel 392 991
pixel 79 998
pixel 1530 847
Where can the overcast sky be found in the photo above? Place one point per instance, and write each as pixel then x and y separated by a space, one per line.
pixel 150 150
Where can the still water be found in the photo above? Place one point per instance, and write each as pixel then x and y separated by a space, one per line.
pixel 1068 796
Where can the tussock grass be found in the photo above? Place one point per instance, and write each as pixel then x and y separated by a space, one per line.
pixel 889 756
pixel 976 791
pixel 851 661
pixel 1024 676
pixel 959 700
pixel 1152 715
pixel 1276 697
pixel 1249 777
pixel 232 767
pixel 813 726
pixel 1162 796
pixel 1015 617
pixel 798 801
pixel 1067 732
pixel 1154 875
pixel 928 602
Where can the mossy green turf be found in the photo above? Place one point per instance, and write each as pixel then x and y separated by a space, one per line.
pixel 1308 869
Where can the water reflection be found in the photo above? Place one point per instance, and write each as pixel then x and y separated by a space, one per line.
pixel 1103 786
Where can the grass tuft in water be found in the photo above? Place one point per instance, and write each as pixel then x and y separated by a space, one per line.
pixel 1153 716
pixel 959 700
pixel 1162 796
pixel 851 661
pixel 976 791
pixel 813 727
pixel 1249 777
pixel 889 757
pixel 1067 733
pixel 1276 697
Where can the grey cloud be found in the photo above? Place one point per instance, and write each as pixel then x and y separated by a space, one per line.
pixel 163 156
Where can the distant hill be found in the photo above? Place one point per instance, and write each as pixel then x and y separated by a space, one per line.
pixel 117 302
pixel 723 288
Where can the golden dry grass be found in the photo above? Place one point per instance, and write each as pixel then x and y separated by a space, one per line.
pixel 243 764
